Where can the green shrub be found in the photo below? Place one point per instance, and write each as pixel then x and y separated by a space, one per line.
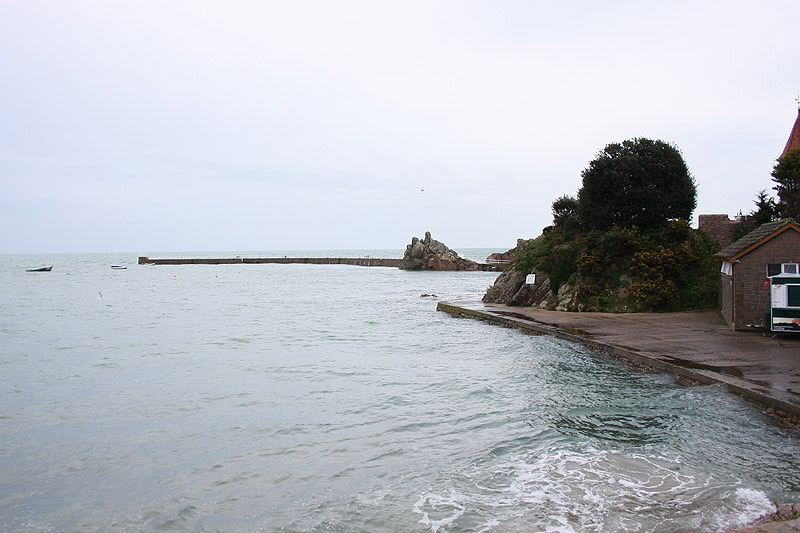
pixel 653 269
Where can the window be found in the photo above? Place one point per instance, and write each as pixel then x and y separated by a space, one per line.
pixel 776 269
pixel 793 295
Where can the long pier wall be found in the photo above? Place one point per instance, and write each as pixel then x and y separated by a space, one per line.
pixel 358 261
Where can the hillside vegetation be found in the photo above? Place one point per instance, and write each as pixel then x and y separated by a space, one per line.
pixel 623 245
pixel 622 270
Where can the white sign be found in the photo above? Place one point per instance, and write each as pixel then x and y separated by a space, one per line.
pixel 530 279
pixel 779 296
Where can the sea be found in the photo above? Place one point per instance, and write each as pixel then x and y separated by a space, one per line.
pixel 258 397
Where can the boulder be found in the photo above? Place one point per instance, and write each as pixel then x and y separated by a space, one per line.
pixel 430 254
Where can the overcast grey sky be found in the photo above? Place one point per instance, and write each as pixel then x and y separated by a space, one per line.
pixel 151 125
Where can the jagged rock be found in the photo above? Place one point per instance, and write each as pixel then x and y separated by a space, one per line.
pixel 508 256
pixel 505 287
pixel 510 288
pixel 566 298
pixel 430 254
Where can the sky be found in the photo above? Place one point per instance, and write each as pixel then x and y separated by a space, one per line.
pixel 152 126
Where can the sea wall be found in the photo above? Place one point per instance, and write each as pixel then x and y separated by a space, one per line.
pixel 358 261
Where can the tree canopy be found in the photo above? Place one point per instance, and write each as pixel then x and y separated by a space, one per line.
pixel 638 182
pixel 766 211
pixel 786 175
pixel 565 214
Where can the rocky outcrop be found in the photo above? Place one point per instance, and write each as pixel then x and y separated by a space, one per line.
pixel 505 287
pixel 430 254
pixel 510 288
pixel 509 256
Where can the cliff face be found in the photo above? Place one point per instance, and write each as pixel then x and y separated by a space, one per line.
pixel 510 288
pixel 430 254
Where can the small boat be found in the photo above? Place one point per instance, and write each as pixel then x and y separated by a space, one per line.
pixel 40 269
pixel 119 267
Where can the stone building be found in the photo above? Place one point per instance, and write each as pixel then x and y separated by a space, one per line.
pixel 719 228
pixel 769 250
pixel 747 264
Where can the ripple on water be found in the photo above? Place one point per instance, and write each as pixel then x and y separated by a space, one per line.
pixel 308 398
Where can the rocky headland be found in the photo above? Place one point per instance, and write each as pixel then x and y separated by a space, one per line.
pixel 669 268
pixel 511 287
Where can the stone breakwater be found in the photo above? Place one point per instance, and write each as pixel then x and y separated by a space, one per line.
pixel 425 254
pixel 358 261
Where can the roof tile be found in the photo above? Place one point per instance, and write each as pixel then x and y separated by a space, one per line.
pixel 754 237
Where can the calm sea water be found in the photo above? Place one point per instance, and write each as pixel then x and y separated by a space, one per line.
pixel 336 398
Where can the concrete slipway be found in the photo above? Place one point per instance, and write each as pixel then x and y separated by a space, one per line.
pixel 695 345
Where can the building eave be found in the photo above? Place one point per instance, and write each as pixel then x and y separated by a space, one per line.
pixel 789 226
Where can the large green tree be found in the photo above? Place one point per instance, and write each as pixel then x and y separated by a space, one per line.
pixel 638 182
pixel 786 176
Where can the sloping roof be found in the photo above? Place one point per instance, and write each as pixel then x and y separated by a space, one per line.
pixel 756 238
pixel 794 137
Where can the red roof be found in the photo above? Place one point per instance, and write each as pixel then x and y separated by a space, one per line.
pixel 794 138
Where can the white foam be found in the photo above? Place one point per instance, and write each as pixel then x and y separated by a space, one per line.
pixel 593 489
pixel 430 503
pixel 744 507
